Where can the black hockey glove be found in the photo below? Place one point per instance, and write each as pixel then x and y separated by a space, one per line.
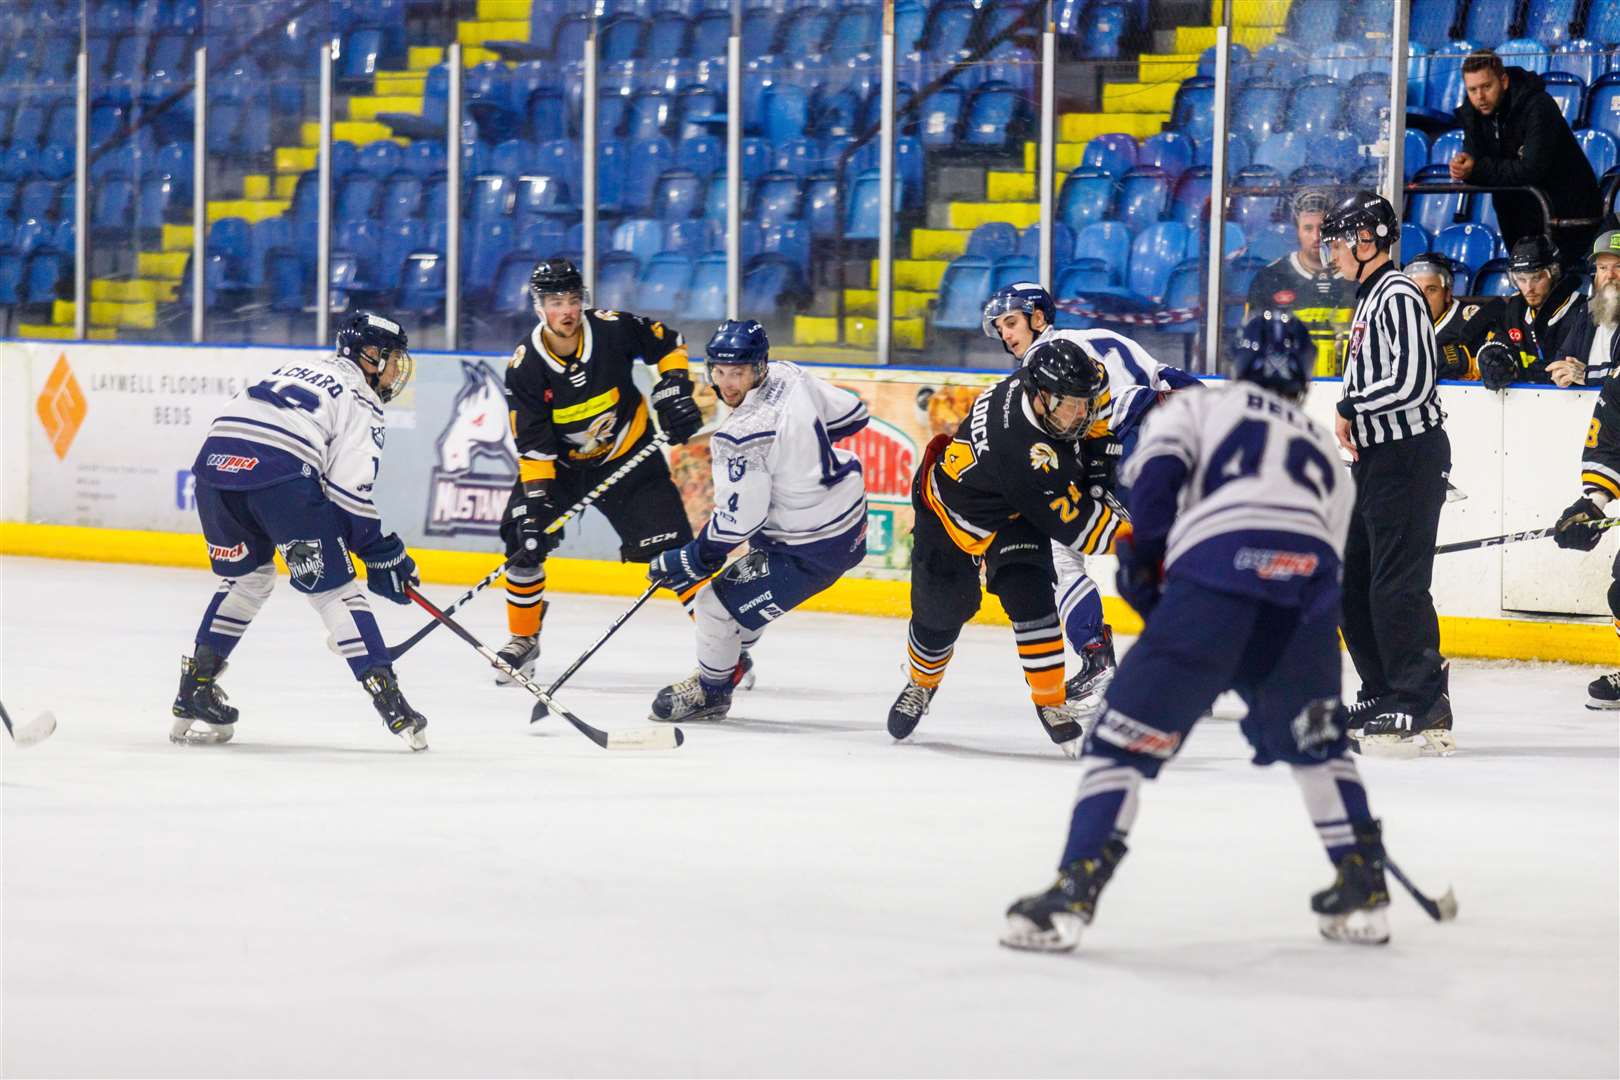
pixel 678 415
pixel 1498 367
pixel 1141 571
pixel 1100 457
pixel 530 516
pixel 389 568
pixel 1573 531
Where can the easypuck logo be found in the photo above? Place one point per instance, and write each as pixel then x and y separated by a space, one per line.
pixel 231 463
pixel 234 553
pixel 1276 565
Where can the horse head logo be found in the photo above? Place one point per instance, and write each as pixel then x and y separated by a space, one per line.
pixel 477 421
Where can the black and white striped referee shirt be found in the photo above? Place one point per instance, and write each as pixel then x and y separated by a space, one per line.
pixel 1392 364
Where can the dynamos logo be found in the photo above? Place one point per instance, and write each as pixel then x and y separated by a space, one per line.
pixel 477 459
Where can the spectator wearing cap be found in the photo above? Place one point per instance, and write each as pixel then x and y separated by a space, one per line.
pixel 1514 135
pixel 1300 284
pixel 1535 320
pixel 1459 329
pixel 1591 348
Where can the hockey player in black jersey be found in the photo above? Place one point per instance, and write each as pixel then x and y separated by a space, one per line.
pixel 1300 283
pixel 1535 319
pixel 997 495
pixel 1600 484
pixel 1459 329
pixel 576 411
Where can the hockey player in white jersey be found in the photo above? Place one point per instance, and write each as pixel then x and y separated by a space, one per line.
pixel 1239 511
pixel 289 467
pixel 1020 315
pixel 782 488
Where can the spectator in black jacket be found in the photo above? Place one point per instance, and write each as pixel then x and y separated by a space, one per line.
pixel 1514 134
pixel 1527 345
pixel 1591 348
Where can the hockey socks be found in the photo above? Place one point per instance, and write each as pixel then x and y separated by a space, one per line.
pixel 928 651
pixel 1104 808
pixel 353 628
pixel 233 607
pixel 525 599
pixel 1080 608
pixel 1336 801
pixel 1040 651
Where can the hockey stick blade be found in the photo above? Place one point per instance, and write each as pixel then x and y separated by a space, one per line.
pixel 1442 910
pixel 32 733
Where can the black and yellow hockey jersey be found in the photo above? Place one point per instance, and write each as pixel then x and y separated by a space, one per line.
pixel 1320 299
pixel 1600 461
pixel 1460 330
pixel 1002 465
pixel 584 410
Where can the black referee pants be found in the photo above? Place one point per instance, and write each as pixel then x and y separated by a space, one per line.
pixel 1390 626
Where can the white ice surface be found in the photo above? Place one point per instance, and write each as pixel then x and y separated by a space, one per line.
pixel 790 893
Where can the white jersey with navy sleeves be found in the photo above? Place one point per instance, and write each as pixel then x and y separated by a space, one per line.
pixel 312 417
pixel 1244 492
pixel 778 478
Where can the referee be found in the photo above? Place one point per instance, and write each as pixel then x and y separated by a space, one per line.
pixel 1390 423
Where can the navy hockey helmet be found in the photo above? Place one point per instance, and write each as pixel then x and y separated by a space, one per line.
pixel 1059 369
pixel 368 338
pixel 557 275
pixel 1274 350
pixel 740 341
pixel 1025 296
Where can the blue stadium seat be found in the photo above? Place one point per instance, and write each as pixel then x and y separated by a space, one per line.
pixel 112 205
pixel 1184 292
pixel 361 51
pixel 1313 19
pixel 1330 157
pixel 1062 242
pixel 511 157
pixel 1603 105
pixel 962 292
pixel 1414 241
pixel 861 206
pixel 1493 279
pixel 1415 155
pixel 31 235
pixel 949 25
pixel 1259 111
pixel 661 289
pixel 704 155
pixel 540 195
pixel 1193 111
pixel 993 116
pixel 1365 103
pixel 1284 152
pixel 45 272
pixel 11 278
pixel 1344 60
pixel 820 205
pixel 640 237
pixel 1530 55
pixel 789 239
pixel 620 38
pixel 1471 245
pixel 1482 211
pixel 1154 254
pixel 160 202
pixel 1103 34
pixel 509 294
pixel 543 236
pixel 1603 23
pixel 939 117
pixel 1581 57
pixel 357 197
pixel 785 112
pixel 702 112
pixel 802 32
pixel 1272 240
pixel 1445 147
pixel 421 284
pixel 1169 150
pixel 855 30
pixel 993 239
pixel 1013 268
pixel 1487 21
pixel 1433 210
pixel 777 197
pixel 401 198
pixel 1189 201
pixel 1254 211
pixel 650 114
pixel 1570 93
pixel 399 240
pixel 909 20
pixel 669 34
pixel 486 243
pixel 768 285
pixel 271 234
pixel 1087 195
pixel 1113 153
pixel 645 160
pixel 1108 241
pixel 231 238
pixel 1547 21
pixel 37 199
pixel 1144 195
pixel 616 274
pixel 1431 21
pixel 363 241
pixel 1316 104
pixel 491 196
pixel 710 30
pixel 678 194
pixel 706 297
pixel 1601 149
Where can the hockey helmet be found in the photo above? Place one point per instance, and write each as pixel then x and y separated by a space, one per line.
pixel 560 276
pixel 739 341
pixel 365 330
pixel 1060 369
pixel 1432 263
pixel 1274 350
pixel 1025 296
pixel 1362 212
pixel 1531 256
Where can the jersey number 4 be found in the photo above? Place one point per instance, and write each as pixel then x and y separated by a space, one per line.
pixel 1239 456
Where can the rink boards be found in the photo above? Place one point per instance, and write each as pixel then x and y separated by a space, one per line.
pixel 108 433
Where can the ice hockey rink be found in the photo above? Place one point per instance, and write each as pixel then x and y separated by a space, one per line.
pixel 790 893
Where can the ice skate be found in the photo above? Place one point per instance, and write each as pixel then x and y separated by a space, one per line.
pixel 201 702
pixel 908 709
pixel 1052 921
pixel 1363 709
pixel 743 677
pixel 1063 724
pixel 691 699
pixel 520 653
pixel 396 712
pixel 1097 666
pixel 1401 733
pixel 1604 692
pixel 1355 908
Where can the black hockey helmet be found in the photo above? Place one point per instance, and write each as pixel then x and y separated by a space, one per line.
pixel 1362 212
pixel 365 330
pixel 1058 369
pixel 1533 253
pixel 557 275
pixel 1274 350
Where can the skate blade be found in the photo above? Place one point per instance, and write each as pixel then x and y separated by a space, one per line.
pixel 712 712
pixel 1388 746
pixel 1073 748
pixel 181 733
pixel 1438 743
pixel 35 731
pixel 503 679
pixel 746 682
pixel 1024 935
pixel 1357 928
pixel 416 740
pixel 1599 705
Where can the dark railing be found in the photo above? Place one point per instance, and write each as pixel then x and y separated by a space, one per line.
pixel 1548 221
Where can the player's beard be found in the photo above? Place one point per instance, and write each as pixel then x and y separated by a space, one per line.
pixel 1605 304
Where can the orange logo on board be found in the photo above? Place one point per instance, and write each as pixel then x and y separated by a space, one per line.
pixel 61 407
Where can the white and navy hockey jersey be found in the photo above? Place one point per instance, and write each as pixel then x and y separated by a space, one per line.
pixel 778 478
pixel 1135 378
pixel 1243 493
pixel 315 418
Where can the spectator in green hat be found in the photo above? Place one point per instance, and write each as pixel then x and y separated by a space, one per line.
pixel 1591 348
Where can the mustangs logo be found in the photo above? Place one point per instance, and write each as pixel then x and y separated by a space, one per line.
pixel 477 459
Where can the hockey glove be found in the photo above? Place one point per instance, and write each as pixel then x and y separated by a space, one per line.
pixel 1573 531
pixel 1498 367
pixel 389 568
pixel 531 514
pixel 1100 458
pixel 678 569
pixel 1141 571
pixel 678 415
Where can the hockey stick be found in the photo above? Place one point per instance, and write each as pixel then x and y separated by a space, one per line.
pixel 539 712
pixel 658 443
pixel 649 738
pixel 1514 538
pixel 1441 910
pixel 32 733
